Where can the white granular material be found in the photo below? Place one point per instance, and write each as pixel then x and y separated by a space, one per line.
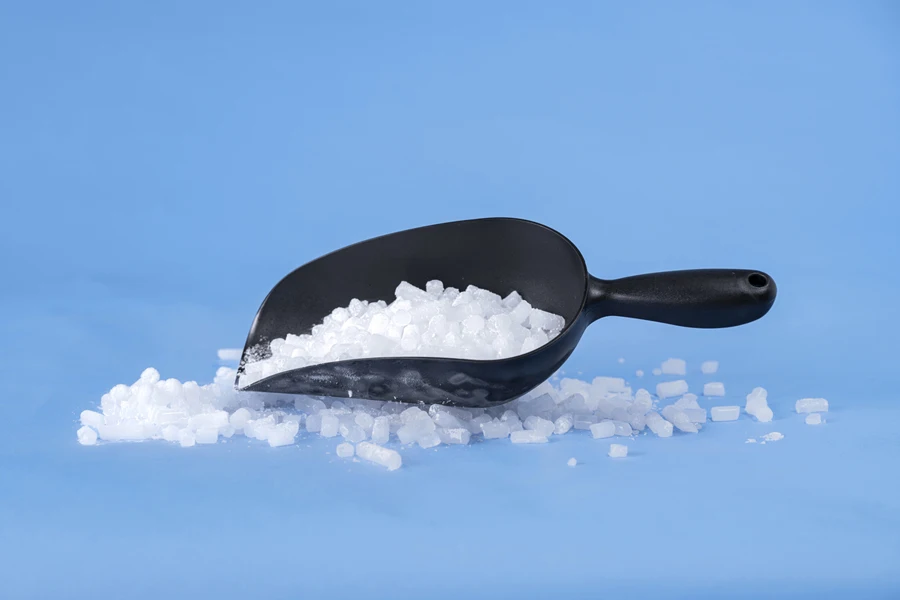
pixel 527 436
pixel 572 462
pixel 189 414
pixel 618 451
pixel 677 417
pixel 670 389
pixel 436 322
pixel 757 405
pixel 714 389
pixel 725 413
pixel 379 455
pixel 814 419
pixel 604 429
pixel 658 425
pixel 709 367
pixel 811 405
pixel 86 436
pixel 696 415
pixel 687 401
pixel 674 366
pixel 773 437
pixel 345 450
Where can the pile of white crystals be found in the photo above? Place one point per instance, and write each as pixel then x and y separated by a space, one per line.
pixel 436 322
pixel 606 408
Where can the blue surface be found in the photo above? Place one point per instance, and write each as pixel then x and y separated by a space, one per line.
pixel 161 167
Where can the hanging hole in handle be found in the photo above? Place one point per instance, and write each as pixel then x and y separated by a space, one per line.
pixel 758 280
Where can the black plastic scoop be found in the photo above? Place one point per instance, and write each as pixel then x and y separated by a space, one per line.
pixel 500 255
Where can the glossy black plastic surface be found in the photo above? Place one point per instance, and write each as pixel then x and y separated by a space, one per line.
pixel 500 255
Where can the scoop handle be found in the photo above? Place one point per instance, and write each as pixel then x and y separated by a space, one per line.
pixel 705 298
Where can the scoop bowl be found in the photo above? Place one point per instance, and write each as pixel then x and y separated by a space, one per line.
pixel 498 254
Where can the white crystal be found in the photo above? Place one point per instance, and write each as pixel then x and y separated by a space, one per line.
pixel 459 435
pixel 527 437
pixel 670 389
pixel 658 425
pixel 429 439
pixel 495 429
pixel 434 322
pixel 283 434
pixel 90 418
pixel 330 426
pixel 344 450
pixel 642 403
pixel 87 436
pixel 679 419
pixel 584 421
pixel 674 366
pixel 603 429
pixel 696 415
pixel 687 401
pixel 239 418
pixel 618 451
pixel 622 428
pixel 542 426
pixel 714 389
pixel 814 419
pixel 381 430
pixel 563 424
pixel 314 423
pixel 365 421
pixel 757 405
pixel 379 455
pixel 189 414
pixel 206 435
pixel 353 433
pixel 186 438
pixel 724 413
pixel 709 367
pixel 475 424
pixel 805 405
pixel 125 431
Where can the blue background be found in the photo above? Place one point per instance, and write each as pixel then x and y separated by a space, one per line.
pixel 163 164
